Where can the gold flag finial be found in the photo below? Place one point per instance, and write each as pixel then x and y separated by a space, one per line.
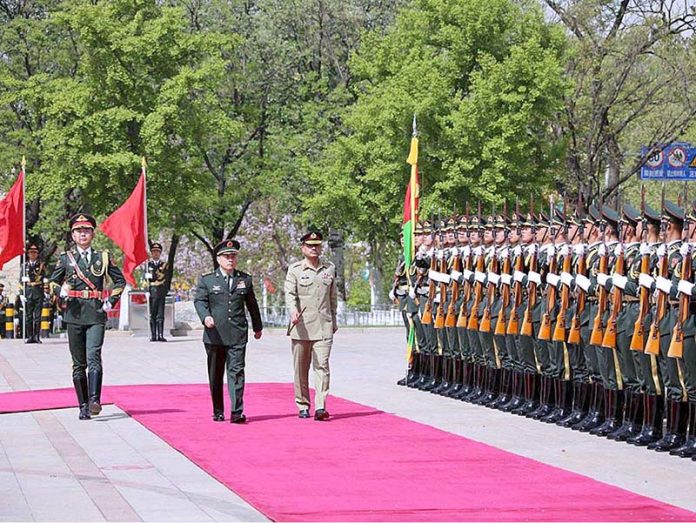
pixel 24 163
pixel 143 162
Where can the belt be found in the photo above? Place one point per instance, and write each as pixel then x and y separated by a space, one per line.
pixel 86 294
pixel 592 299
pixel 34 283
pixel 631 299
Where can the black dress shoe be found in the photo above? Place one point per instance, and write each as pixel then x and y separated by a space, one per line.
pixel 238 418
pixel 94 407
pixel 84 412
pixel 321 415
pixel 304 414
pixel 219 417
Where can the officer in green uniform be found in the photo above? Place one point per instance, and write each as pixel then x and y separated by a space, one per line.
pixel 80 275
pixel 156 276
pixel 3 304
pixel 221 300
pixel 33 274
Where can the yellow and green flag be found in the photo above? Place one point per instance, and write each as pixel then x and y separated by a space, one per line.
pixel 409 222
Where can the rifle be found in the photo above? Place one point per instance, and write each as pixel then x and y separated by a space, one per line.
pixel 609 340
pixel 485 325
pixel 638 337
pixel 500 326
pixel 451 318
pixel 597 331
pixel 653 344
pixel 676 344
pixel 427 318
pixel 574 334
pixel 473 324
pixel 559 332
pixel 526 329
pixel 463 319
pixel 545 327
pixel 440 314
pixel 513 326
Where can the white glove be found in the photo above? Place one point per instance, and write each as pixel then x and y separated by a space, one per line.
pixel 493 278
pixel 63 292
pixel 534 277
pixel 602 251
pixel 645 280
pixel 107 306
pixel 579 249
pixel 602 279
pixel 618 250
pixel 552 279
pixel 517 250
pixel 564 250
pixel 505 254
pixel 440 254
pixel 148 275
pixel 392 296
pixel 412 293
pixel 567 279
pixel 25 279
pixel 465 251
pixel 506 279
pixel 431 252
pixel 583 282
pixel 532 249
pixel 619 281
pixel 480 276
pixel 22 298
pixel 455 276
pixel 454 251
pixel 661 250
pixel 518 276
pixel 685 287
pixel 685 250
pixel 478 251
pixel 551 251
pixel 644 249
pixel 663 284
pixel 467 274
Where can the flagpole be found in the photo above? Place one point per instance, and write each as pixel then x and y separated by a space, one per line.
pixel 24 246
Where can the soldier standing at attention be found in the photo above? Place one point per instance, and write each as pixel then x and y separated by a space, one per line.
pixel 311 299
pixel 3 304
pixel 81 276
pixel 156 276
pixel 221 298
pixel 33 274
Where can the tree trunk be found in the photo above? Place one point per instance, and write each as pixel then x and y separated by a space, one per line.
pixel 336 245
pixel 377 274
pixel 173 245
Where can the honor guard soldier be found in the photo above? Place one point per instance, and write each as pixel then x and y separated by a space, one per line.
pixel 80 277
pixel 3 304
pixel 156 276
pixel 33 273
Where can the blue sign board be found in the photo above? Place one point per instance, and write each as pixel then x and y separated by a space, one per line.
pixel 675 162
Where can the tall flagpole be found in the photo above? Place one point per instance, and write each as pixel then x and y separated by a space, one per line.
pixel 24 246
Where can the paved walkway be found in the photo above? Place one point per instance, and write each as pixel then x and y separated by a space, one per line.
pixel 54 467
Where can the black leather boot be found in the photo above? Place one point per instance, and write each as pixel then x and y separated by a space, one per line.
pixel 457 384
pixel 82 396
pixel 688 450
pixel 627 428
pixel 37 332
pixel 492 387
pixel 95 387
pixel 467 380
pixel 446 376
pixel 153 330
pixel 416 370
pixel 563 399
pixel 651 430
pixel 545 403
pixel 478 390
pixel 517 398
pixel 595 416
pixel 676 427
pixel 580 405
pixel 436 378
pixel 503 397
pixel 160 331
pixel 613 405
pixel 531 395
pixel 427 374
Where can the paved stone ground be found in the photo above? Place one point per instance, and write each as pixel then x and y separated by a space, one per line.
pixel 115 470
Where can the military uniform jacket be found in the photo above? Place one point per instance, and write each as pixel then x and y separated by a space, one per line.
pixel 226 305
pixel 158 270
pixel 3 303
pixel 87 311
pixel 36 272
pixel 313 290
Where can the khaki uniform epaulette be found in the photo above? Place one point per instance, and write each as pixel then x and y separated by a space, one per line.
pixel 296 264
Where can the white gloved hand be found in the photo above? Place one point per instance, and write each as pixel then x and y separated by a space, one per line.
pixel 583 282
pixel 148 275
pixel 412 293
pixel 564 250
pixel 440 254
pixel 532 249
pixel 663 284
pixel 619 281
pixel 505 254
pixel 661 250
pixel 465 251
pixel 480 276
pixel 602 279
pixel 567 279
pixel 645 280
pixel 22 298
pixel 493 278
pixel 517 250
pixel 392 296
pixel 25 279
pixel 478 251
pixel 579 249
pixel 107 306
pixel 64 292
pixel 618 250
pixel 518 276
pixel 551 251
pixel 602 251
pixel 685 287
pixel 644 249
pixel 534 277
pixel 506 279
pixel 431 252
pixel 685 249
pixel 553 279
pixel 467 274
pixel 454 251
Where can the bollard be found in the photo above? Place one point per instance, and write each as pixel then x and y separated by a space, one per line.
pixel 45 321
pixel 9 321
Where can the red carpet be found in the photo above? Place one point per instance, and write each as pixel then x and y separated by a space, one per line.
pixel 363 465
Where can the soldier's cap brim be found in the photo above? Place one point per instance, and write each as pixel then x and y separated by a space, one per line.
pixel 673 212
pixel 631 214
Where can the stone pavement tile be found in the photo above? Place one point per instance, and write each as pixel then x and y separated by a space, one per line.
pixel 13 504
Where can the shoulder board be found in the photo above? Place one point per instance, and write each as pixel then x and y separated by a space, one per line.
pixel 296 264
pixel 208 274
pixel 243 274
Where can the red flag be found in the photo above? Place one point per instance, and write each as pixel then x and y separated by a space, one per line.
pixel 12 222
pixel 127 227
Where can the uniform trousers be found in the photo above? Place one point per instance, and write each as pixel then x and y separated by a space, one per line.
pixel 85 342
pixel 232 357
pixel 316 353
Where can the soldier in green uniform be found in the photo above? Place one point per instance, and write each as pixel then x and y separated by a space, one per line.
pixel 80 275
pixel 221 300
pixel 3 304
pixel 156 276
pixel 33 274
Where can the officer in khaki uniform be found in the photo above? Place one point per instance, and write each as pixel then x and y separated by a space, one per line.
pixel 310 296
